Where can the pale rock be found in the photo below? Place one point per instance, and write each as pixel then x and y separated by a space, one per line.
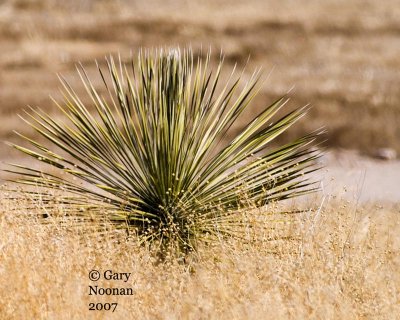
pixel 386 154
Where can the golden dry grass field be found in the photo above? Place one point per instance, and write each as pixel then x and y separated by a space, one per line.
pixel 341 262
pixel 340 259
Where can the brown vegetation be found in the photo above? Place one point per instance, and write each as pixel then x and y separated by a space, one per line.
pixel 341 56
pixel 338 262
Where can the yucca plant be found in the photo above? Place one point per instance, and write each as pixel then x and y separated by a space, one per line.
pixel 151 155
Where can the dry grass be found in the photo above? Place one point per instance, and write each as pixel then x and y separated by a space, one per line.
pixel 342 263
pixel 342 56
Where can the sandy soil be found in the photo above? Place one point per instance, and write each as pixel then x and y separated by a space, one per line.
pixel 351 176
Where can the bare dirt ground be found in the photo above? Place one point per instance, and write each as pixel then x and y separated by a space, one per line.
pixel 349 176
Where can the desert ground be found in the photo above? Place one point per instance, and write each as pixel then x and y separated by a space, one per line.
pixel 341 57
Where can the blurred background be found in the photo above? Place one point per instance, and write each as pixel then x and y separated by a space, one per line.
pixel 342 57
